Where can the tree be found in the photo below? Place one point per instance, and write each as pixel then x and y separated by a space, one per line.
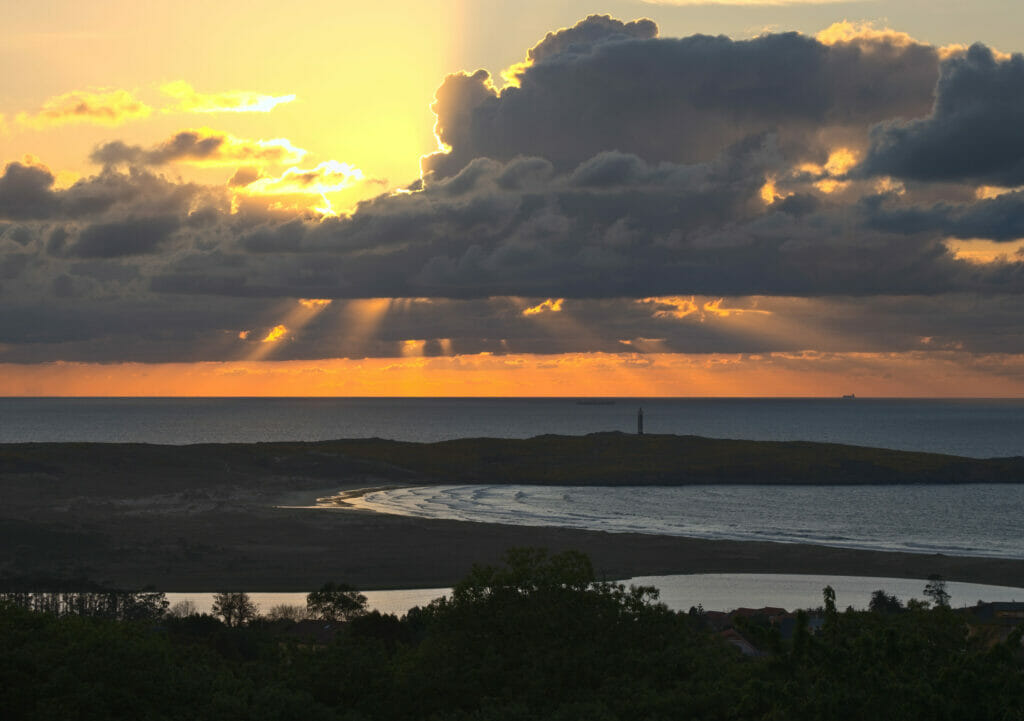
pixel 882 602
pixel 237 609
pixel 935 589
pixel 183 608
pixel 286 612
pixel 527 571
pixel 335 602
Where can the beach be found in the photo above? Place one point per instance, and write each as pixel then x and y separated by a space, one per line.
pixel 195 539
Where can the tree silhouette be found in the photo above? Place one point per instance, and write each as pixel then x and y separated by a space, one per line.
pixel 236 608
pixel 882 602
pixel 335 602
pixel 935 589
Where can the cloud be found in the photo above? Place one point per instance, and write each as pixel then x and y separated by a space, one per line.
pixel 96 107
pixel 28 192
pixel 328 177
pixel 275 334
pixel 188 100
pixel 863 33
pixel 659 195
pixel 603 85
pixel 548 306
pixel 999 218
pixel 203 146
pixel 973 132
pixel 581 38
pixel 25 192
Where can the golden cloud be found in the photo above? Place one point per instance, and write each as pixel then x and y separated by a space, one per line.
pixel 232 101
pixel 677 306
pixel 328 177
pixel 849 32
pixel 674 306
pixel 96 107
pixel 548 306
pixel 276 333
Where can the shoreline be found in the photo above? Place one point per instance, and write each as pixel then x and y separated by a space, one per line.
pixel 238 517
pixel 346 498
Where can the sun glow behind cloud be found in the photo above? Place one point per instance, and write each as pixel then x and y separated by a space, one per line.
pixel 298 314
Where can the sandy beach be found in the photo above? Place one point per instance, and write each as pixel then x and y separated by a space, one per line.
pixel 247 517
pixel 227 537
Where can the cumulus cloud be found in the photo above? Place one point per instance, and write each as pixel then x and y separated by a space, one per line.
pixel 1000 218
pixel 603 85
pixel 637 193
pixel 25 192
pixel 973 132
pixel 188 100
pixel 97 107
pixel 203 146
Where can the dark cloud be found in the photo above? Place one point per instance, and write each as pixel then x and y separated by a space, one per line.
pixel 625 167
pixel 603 86
pixel 75 325
pixel 197 146
pixel 12 264
pixel 581 38
pixel 972 134
pixel 26 192
pixel 136 236
pixel 615 226
pixel 186 145
pixel 244 176
pixel 999 219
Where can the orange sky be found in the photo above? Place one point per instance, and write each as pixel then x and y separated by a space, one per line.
pixel 914 374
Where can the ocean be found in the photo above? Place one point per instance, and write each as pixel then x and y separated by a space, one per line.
pixel 957 520
pixel 978 520
pixel 979 428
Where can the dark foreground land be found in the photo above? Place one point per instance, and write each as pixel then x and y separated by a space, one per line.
pixel 533 638
pixel 210 516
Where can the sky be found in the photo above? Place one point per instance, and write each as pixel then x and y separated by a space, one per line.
pixel 488 198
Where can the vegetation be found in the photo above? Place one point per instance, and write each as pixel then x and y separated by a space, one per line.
pixel 532 638
pixel 335 602
pixel 236 609
pixel 595 459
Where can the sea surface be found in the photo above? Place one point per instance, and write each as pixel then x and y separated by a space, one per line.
pixel 980 520
pixel 979 428
pixel 957 520
pixel 714 591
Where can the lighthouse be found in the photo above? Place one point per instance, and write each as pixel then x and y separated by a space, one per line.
pixel 640 422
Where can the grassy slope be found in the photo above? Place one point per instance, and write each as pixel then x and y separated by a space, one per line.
pixel 596 459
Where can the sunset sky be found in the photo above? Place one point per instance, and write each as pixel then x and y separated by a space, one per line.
pixel 490 198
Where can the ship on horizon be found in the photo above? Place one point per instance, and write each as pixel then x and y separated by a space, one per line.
pixel 849 396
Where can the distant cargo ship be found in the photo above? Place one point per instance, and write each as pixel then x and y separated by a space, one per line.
pixel 850 396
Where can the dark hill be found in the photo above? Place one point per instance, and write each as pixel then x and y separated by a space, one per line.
pixel 596 459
